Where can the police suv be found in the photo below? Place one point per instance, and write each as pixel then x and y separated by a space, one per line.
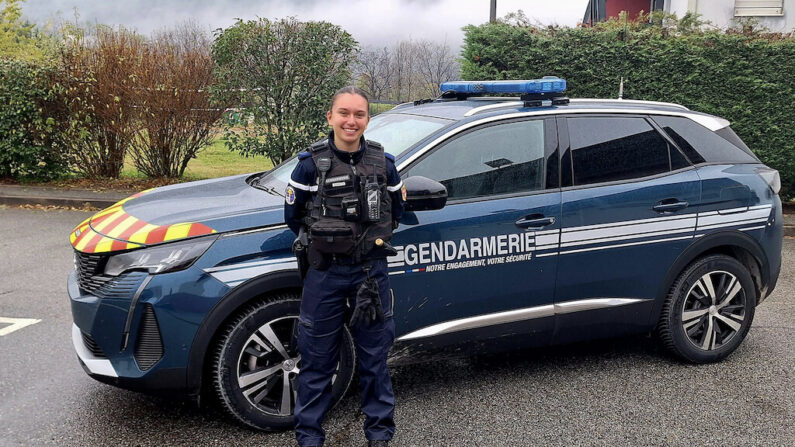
pixel 530 221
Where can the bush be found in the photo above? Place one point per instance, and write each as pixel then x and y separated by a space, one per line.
pixel 24 149
pixel 93 107
pixel 173 110
pixel 283 73
pixel 745 76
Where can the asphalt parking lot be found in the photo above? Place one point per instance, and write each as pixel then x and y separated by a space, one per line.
pixel 615 392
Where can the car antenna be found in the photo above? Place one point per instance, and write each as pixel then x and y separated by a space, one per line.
pixel 621 89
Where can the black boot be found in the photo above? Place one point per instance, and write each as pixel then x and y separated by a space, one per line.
pixel 377 443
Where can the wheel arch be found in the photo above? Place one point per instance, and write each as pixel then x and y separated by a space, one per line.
pixel 732 243
pixel 226 308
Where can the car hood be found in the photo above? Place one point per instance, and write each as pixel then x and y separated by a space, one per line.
pixel 177 212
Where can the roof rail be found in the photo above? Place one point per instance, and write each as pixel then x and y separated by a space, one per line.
pixel 499 105
pixel 403 104
pixel 628 101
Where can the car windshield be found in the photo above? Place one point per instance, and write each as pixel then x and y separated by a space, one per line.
pixel 395 131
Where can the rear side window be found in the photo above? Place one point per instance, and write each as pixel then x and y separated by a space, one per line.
pixel 606 149
pixel 701 144
pixel 728 134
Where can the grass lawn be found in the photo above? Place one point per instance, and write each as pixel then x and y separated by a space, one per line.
pixel 215 160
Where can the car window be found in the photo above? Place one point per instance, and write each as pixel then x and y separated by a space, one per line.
pixel 499 159
pixel 701 144
pixel 678 161
pixel 397 132
pixel 606 149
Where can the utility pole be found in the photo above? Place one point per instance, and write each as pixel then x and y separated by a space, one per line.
pixel 493 13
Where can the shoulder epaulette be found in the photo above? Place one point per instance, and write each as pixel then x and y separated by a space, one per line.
pixel 389 157
pixel 320 145
pixel 374 143
pixel 303 155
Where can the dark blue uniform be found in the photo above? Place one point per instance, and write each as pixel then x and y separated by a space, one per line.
pixel 324 309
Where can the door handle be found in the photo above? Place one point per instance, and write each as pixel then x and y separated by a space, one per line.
pixel 670 205
pixel 535 221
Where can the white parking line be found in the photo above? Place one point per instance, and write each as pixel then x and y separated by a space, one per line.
pixel 15 324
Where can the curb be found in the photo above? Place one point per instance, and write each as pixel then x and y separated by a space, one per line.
pixel 16 195
pixel 56 201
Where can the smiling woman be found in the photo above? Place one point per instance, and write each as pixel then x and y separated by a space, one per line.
pixel 348 116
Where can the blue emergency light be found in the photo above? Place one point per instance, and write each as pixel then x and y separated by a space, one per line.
pixel 547 84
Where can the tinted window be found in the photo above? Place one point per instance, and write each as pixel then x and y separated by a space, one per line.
pixel 499 159
pixel 606 149
pixel 678 161
pixel 701 144
pixel 728 134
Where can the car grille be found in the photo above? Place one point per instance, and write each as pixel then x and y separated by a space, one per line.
pixel 148 346
pixel 92 346
pixel 91 279
pixel 89 269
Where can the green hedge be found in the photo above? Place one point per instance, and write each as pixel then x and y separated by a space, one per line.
pixel 747 79
pixel 23 151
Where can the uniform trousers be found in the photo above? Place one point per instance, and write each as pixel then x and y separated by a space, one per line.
pixel 327 302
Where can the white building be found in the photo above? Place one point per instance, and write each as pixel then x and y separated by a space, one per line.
pixel 775 15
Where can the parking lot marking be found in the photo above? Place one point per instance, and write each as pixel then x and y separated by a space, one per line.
pixel 15 324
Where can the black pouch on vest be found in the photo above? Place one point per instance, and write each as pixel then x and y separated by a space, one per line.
pixel 332 236
pixel 351 210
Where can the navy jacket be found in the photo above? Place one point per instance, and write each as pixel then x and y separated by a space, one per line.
pixel 303 183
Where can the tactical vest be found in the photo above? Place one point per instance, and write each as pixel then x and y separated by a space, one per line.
pixel 346 215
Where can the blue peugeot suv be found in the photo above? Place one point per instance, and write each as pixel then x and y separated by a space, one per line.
pixel 532 220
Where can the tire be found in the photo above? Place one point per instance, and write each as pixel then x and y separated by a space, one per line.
pixel 256 362
pixel 709 310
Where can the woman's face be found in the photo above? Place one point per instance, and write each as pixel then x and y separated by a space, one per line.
pixel 348 117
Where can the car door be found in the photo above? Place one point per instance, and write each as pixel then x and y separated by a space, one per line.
pixel 629 205
pixel 482 267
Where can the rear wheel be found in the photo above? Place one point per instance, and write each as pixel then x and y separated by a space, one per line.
pixel 709 310
pixel 256 364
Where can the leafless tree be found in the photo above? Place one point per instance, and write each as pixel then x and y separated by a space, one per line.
pixel 94 97
pixel 374 71
pixel 407 70
pixel 435 64
pixel 403 71
pixel 173 106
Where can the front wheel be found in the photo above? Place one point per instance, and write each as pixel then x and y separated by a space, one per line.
pixel 709 310
pixel 256 364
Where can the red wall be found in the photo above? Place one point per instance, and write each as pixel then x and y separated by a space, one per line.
pixel 632 6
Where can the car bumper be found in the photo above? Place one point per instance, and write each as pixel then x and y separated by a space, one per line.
pixel 137 334
pixel 93 365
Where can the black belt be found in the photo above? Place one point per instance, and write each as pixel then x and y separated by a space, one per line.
pixel 350 260
pixel 344 260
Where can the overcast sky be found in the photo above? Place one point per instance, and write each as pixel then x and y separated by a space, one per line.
pixel 372 23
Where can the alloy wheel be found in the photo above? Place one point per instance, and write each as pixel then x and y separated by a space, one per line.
pixel 268 367
pixel 713 310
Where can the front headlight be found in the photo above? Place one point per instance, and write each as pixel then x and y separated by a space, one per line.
pixel 166 258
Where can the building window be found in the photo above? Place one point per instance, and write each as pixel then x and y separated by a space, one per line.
pixel 758 8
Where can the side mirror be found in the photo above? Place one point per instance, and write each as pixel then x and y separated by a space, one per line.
pixel 424 194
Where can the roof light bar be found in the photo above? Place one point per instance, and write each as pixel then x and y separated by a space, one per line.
pixel 547 84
